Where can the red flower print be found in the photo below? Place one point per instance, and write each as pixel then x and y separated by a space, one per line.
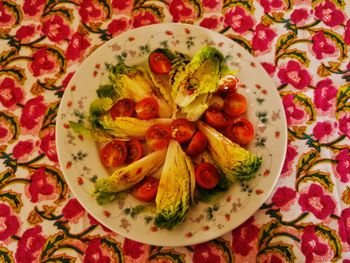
pixel 122 7
pixel 76 47
pixel 3 132
pixel 310 244
pixel 322 129
pixel 6 131
pixel 316 202
pixel 144 19
pixel 343 165
pixel 329 14
pixel 347 32
pixel 118 26
pixel 133 249
pixel 43 62
pixel 270 68
pixel 94 253
pixel 344 125
pixel 324 93
pixel 24 33
pixel 10 93
pixel 269 5
pixel 6 18
pixel 295 75
pixel 39 185
pixel 179 10
pixel 32 111
pixel 93 221
pixel 299 16
pixel 30 245
pixel 9 224
pixel 73 210
pixel 273 259
pixel 48 144
pixel 55 28
pixel 292 112
pixel 243 236
pixel 344 225
pixel 239 20
pixel 66 80
pixel 203 254
pixel 283 196
pixel 262 37
pixel 290 155
pixel 22 150
pixel 211 22
pixel 210 4
pixel 89 11
pixel 33 7
pixel 321 45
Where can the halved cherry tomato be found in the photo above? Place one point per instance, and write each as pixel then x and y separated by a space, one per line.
pixel 240 131
pixel 182 130
pixel 206 175
pixel 158 136
pixel 215 118
pixel 123 108
pixel 146 190
pixel 147 108
pixel 114 153
pixel 235 104
pixel 135 151
pixel 227 85
pixel 216 102
pixel 159 63
pixel 197 145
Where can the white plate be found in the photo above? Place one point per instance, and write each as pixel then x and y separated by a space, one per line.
pixel 79 157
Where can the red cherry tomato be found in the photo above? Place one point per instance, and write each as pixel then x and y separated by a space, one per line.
pixel 147 109
pixel 159 63
pixel 240 131
pixel 206 175
pixel 114 153
pixel 215 118
pixel 158 136
pixel 182 130
pixel 146 190
pixel 123 108
pixel 197 145
pixel 227 85
pixel 135 151
pixel 235 104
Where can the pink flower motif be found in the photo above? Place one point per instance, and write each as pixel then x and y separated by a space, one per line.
pixel 324 94
pixel 322 129
pixel 118 26
pixel 77 46
pixel 94 253
pixel 262 38
pixel 344 125
pixel 295 75
pixel 55 28
pixel 212 5
pixel 329 14
pixel 6 17
pixel 30 245
pixel 93 221
pixel 32 112
pixel 347 33
pixel 299 16
pixel 283 196
pixel 179 10
pixel 43 62
pixel 89 11
pixel 321 45
pixel 10 93
pixel 316 202
pixel 203 254
pixel 293 113
pixel 144 18
pixel 9 224
pixel 3 132
pixel 290 156
pixel 243 236
pixel 33 7
pixel 73 210
pixel 39 185
pixel 270 68
pixel 24 33
pixel 122 7
pixel 6 132
pixel 22 150
pixel 48 144
pixel 211 22
pixel 133 249
pixel 269 5
pixel 311 245
pixel 273 259
pixel 239 20
pixel 343 165
pixel 344 225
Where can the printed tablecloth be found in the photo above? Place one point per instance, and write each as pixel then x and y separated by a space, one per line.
pixel 303 45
